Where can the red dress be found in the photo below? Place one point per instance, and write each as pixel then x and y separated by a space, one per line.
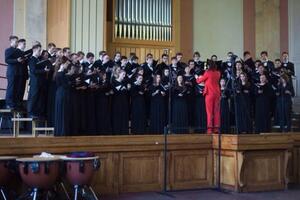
pixel 212 95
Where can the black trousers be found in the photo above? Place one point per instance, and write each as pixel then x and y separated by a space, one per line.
pixel 11 91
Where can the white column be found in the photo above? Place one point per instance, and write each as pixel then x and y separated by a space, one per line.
pixel 294 39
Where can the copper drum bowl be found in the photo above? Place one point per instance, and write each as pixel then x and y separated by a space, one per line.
pixel 6 169
pixel 80 171
pixel 39 172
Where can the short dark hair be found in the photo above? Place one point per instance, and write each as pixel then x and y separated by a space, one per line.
pixel 123 58
pixel 196 53
pixel 13 37
pixel 285 53
pixel 173 58
pixel 51 44
pixel 65 49
pixel 89 55
pixel 264 52
pixel 21 40
pixel 149 54
pixel 179 54
pixel 164 54
pixel 277 60
pixel 134 58
pixel 36 46
pixel 101 53
pixel 80 53
pixel 246 53
pixel 190 61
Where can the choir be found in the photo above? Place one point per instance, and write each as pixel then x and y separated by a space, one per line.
pixel 80 95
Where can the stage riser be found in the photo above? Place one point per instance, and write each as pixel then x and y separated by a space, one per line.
pixel 136 163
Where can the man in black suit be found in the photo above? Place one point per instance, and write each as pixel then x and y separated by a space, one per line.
pixel 38 87
pixel 286 64
pixel 22 72
pixel 13 60
pixel 269 65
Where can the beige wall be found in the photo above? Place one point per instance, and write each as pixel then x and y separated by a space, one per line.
pixel 267 26
pixel 30 20
pixel 87 25
pixel 218 27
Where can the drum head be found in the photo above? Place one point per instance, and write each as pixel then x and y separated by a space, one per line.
pixel 79 159
pixel 38 159
pixel 3 158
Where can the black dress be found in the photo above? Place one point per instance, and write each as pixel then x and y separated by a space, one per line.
pixel 62 107
pixel 120 108
pixel 284 106
pixel 103 108
pixel 91 106
pixel 138 109
pixel 179 110
pixel 200 110
pixel 262 108
pixel 190 98
pixel 243 105
pixel 157 109
pixel 75 114
pixel 225 111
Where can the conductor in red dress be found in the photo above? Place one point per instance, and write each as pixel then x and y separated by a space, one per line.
pixel 212 94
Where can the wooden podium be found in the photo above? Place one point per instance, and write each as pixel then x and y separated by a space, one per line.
pixel 252 163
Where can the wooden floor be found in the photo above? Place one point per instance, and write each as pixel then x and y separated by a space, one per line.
pixel 136 163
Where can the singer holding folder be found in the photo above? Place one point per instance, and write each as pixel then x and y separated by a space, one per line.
pixel 212 95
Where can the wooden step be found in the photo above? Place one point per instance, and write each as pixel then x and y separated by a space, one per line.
pixel 44 129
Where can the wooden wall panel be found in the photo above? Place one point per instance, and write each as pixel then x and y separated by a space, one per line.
pixel 267 27
pixel 141 171
pixel 190 169
pixel 264 171
pixel 58 22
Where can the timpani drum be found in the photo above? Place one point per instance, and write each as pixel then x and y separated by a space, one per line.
pixel 6 169
pixel 39 172
pixel 80 170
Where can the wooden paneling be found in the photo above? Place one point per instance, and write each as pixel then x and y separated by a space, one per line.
pixel 130 163
pixel 136 163
pixel 58 22
pixel 191 169
pixel 264 171
pixel 141 171
pixel 254 162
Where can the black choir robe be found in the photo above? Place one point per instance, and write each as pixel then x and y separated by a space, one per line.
pixel 225 111
pixel 157 109
pixel 120 108
pixel 138 109
pixel 262 108
pixel 190 82
pixel 200 110
pixel 244 107
pixel 179 110
pixel 284 96
pixel 103 108
pixel 62 123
